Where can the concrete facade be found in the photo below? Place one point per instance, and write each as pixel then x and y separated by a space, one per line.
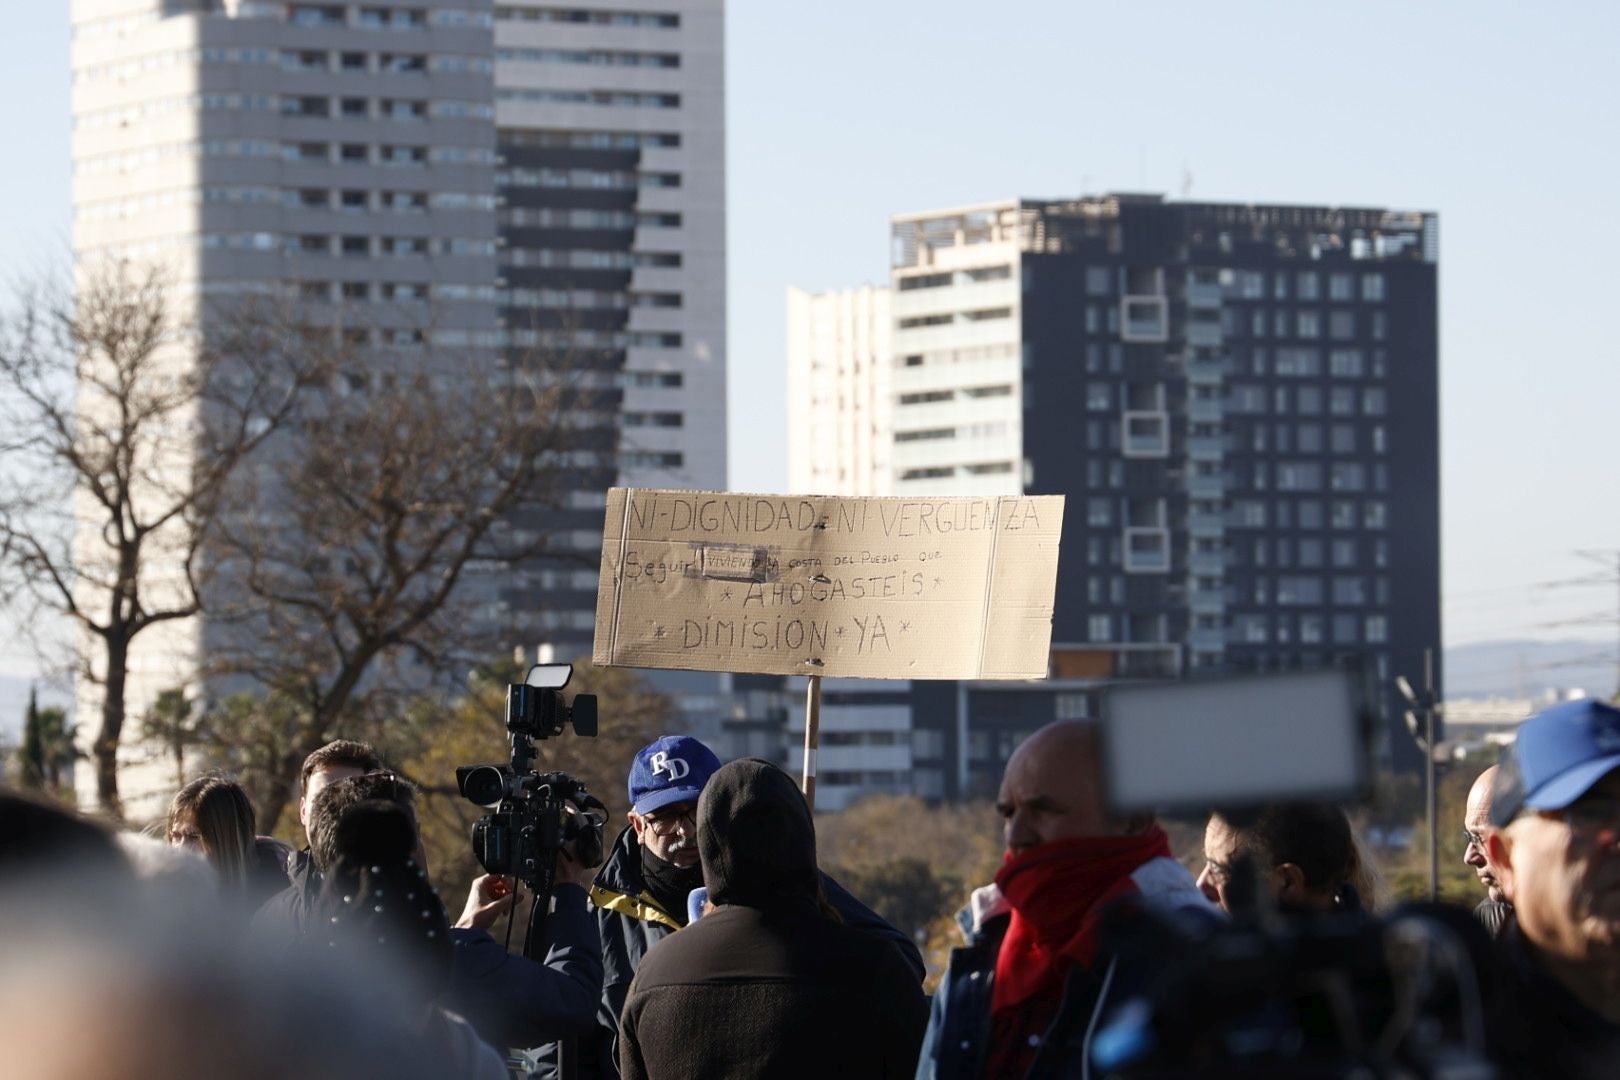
pixel 486 178
pixel 840 409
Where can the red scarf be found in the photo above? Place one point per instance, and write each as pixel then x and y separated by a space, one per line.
pixel 1057 892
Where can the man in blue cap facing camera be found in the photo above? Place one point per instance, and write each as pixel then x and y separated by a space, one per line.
pixel 641 892
pixel 1556 808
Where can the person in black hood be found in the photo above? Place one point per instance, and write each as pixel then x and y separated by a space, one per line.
pixel 641 891
pixel 801 994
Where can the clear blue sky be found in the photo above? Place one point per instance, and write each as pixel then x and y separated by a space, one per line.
pixel 1501 117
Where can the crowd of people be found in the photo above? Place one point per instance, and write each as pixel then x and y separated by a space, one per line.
pixel 709 943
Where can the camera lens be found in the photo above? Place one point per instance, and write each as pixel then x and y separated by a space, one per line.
pixel 484 785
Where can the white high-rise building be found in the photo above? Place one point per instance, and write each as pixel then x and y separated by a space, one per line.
pixel 840 410
pixel 521 170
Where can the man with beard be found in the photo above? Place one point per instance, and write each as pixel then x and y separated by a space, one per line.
pixel 641 891
pixel 1493 911
pixel 1556 847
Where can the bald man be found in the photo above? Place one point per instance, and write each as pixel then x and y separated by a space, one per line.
pixel 1023 996
pixel 1494 910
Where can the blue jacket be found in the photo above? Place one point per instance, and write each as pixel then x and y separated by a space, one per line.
pixel 517 1002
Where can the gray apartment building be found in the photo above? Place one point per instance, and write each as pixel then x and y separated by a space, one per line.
pixel 484 178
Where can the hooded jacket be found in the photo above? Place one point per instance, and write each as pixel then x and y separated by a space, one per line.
pixel 631 922
pixel 766 985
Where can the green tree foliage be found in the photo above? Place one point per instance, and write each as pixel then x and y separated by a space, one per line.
pixel 45 758
pixel 913 863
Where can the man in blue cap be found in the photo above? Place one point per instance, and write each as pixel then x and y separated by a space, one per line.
pixel 640 894
pixel 1556 808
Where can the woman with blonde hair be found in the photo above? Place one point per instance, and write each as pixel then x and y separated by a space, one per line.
pixel 213 817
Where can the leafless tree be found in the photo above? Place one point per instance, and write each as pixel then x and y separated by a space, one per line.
pixel 352 544
pixel 120 427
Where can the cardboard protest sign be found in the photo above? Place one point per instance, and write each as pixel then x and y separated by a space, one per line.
pixel 891 588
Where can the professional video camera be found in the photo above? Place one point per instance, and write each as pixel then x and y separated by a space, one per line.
pixel 1272 993
pixel 533 815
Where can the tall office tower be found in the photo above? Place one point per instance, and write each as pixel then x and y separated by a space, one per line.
pixel 487 179
pixel 612 190
pixel 612 186
pixel 340 154
pixel 1241 405
pixel 839 408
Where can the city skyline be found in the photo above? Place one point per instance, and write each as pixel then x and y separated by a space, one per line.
pixel 1430 121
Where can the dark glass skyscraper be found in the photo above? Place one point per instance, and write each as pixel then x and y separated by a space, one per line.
pixel 1241 404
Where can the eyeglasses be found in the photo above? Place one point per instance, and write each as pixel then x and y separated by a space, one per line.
pixel 1474 839
pixel 666 821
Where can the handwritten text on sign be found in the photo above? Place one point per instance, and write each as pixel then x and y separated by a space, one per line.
pixel 868 588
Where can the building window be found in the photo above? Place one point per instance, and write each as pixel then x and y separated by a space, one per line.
pixel 1346 364
pixel 1372 286
pixel 1308 324
pixel 1376 629
pixel 1302 591
pixel 1099 512
pixel 1344 439
pixel 1099 628
pixel 1099 280
pixel 1349 590
pixel 1308 285
pixel 1099 397
pixel 1310 553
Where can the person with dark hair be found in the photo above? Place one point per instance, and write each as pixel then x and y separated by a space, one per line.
pixel 1304 853
pixel 802 994
pixel 213 817
pixel 378 910
pixel 38 835
pixel 284 913
pixel 511 1000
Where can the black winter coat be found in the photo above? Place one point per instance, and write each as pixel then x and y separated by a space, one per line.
pixel 767 985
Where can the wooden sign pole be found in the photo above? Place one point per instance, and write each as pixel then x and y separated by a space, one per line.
pixel 812 735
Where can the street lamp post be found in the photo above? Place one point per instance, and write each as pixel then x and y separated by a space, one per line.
pixel 1425 702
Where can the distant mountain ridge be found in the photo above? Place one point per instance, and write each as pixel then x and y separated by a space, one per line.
pixel 1531 668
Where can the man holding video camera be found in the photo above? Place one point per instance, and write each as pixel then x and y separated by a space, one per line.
pixel 1556 845
pixel 641 891
pixel 510 1000
pixel 1021 999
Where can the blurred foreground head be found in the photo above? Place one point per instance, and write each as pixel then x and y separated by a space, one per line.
pixel 1556 806
pixel 105 975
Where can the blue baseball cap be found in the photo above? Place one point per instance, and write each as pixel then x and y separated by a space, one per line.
pixel 670 770
pixel 1558 755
